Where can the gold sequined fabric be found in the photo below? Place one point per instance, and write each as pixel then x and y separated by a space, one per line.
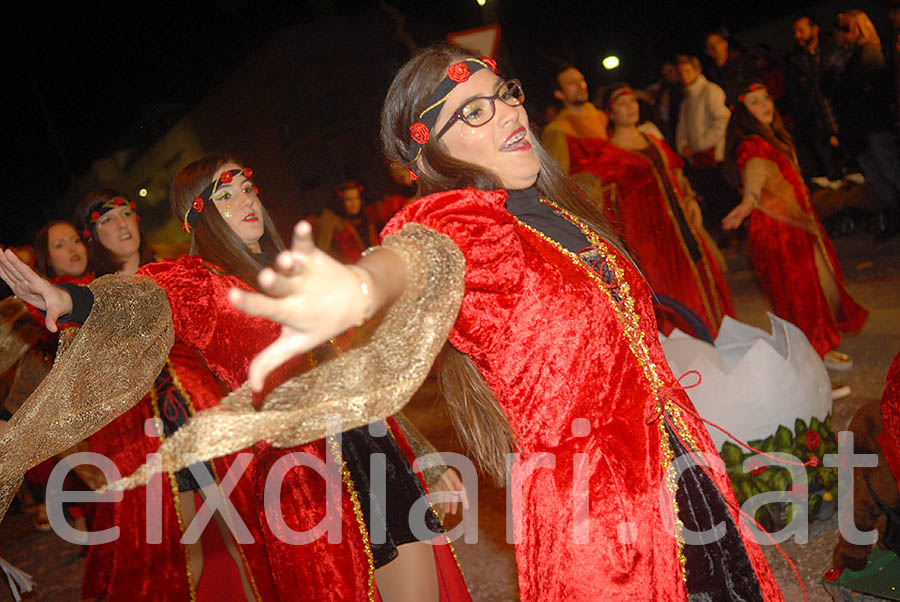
pixel 420 446
pixel 18 331
pixel 100 372
pixel 372 381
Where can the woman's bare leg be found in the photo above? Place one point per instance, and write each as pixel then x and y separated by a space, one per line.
pixel 410 576
pixel 195 550
pixel 829 285
pixel 231 546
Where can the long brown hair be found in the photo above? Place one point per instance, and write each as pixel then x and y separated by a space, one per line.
pixel 42 262
pixel 101 258
pixel 859 28
pixel 480 421
pixel 743 124
pixel 211 237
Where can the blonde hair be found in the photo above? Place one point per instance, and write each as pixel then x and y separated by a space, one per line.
pixel 860 31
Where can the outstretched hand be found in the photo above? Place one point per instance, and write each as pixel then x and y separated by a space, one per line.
pixel 312 295
pixel 32 288
pixel 736 217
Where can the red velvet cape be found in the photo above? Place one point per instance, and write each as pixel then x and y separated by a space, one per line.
pixel 784 258
pixel 553 346
pixel 213 339
pixel 643 218
pixel 890 419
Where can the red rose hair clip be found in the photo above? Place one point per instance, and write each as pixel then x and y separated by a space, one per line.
pixel 102 206
pixel 199 202
pixel 420 130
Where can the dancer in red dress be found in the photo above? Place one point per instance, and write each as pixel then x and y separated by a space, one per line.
pixel 220 206
pixel 168 569
pixel 555 329
pixel 655 213
pixel 793 256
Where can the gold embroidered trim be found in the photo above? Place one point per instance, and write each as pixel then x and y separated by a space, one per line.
pixel 357 509
pixel 629 320
pixel 176 495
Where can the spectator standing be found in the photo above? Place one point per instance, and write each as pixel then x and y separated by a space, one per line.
pixel 730 67
pixel 862 96
pixel 815 124
pixel 700 139
pixel 579 129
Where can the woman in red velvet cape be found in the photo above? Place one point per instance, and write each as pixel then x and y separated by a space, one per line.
pixel 557 327
pixel 793 256
pixel 656 215
pixel 165 569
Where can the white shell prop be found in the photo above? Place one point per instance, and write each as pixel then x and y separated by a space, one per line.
pixel 753 381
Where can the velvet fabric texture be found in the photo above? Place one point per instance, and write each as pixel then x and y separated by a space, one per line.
pixel 573 358
pixel 227 340
pixel 784 257
pixel 889 440
pixel 130 568
pixel 649 215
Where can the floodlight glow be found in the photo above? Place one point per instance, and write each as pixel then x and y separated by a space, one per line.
pixel 142 192
pixel 610 62
pixel 481 2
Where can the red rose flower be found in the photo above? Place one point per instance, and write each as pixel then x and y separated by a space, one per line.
pixel 226 177
pixel 832 574
pixel 813 440
pixel 86 234
pixel 459 72
pixel 133 206
pixel 186 227
pixel 490 63
pixel 95 215
pixel 248 173
pixel 197 205
pixel 419 132
pixel 118 201
pixel 413 177
pixel 756 466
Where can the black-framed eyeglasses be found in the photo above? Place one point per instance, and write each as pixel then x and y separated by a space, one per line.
pixel 480 110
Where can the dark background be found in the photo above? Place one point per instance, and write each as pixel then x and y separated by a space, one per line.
pixel 81 77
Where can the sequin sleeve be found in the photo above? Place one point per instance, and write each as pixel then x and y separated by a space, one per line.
pixel 372 381
pixel 101 372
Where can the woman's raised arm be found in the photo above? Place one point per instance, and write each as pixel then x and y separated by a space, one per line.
pixel 316 297
pixel 34 289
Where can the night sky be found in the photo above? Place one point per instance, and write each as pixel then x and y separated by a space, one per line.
pixel 80 77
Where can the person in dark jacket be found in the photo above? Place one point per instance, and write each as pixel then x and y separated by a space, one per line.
pixel 862 96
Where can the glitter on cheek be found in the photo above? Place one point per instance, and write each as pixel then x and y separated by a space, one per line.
pixel 226 211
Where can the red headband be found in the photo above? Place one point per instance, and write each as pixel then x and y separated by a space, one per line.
pixel 103 206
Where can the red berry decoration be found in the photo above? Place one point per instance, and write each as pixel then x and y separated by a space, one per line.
pixel 95 215
pixel 490 63
pixel 197 205
pixel 813 440
pixel 226 177
pixel 419 132
pixel 832 574
pixel 248 173
pixel 459 72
